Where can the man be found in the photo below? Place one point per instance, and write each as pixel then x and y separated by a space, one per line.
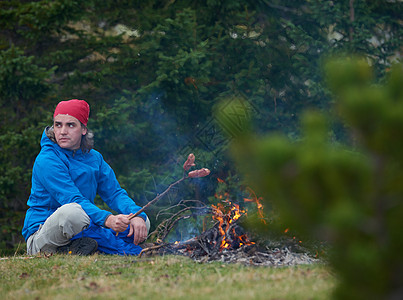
pixel 66 177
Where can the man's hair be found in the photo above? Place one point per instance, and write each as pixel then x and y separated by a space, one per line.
pixel 87 140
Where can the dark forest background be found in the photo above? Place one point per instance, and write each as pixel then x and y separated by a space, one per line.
pixel 153 72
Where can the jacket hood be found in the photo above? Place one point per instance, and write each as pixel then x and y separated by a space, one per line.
pixel 45 141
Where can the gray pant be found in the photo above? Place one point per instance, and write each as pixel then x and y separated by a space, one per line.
pixel 67 221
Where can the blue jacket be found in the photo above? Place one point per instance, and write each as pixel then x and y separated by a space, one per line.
pixel 62 176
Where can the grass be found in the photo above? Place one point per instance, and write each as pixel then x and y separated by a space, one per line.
pixel 168 277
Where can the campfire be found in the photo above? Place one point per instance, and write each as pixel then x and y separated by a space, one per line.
pixel 229 237
pixel 225 240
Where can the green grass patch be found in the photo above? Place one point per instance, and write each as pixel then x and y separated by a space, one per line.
pixel 168 277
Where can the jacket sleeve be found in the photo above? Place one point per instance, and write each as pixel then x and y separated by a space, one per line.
pixel 112 193
pixel 54 175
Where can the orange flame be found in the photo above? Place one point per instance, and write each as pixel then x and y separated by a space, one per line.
pixel 220 180
pixel 257 200
pixel 225 219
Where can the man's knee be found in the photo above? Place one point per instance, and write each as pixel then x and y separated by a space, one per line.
pixel 67 221
pixel 74 215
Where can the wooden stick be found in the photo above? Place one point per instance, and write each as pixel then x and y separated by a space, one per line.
pixel 151 248
pixel 155 199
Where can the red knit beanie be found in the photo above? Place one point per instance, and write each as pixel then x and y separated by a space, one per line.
pixel 78 109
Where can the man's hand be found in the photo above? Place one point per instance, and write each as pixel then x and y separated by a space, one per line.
pixel 118 223
pixel 138 229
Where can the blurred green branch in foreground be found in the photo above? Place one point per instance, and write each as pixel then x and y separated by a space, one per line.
pixel 351 197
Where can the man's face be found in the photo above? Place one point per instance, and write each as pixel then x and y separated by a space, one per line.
pixel 68 132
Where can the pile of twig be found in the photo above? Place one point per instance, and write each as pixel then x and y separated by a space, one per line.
pixel 207 248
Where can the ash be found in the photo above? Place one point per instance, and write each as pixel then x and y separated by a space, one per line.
pixel 249 255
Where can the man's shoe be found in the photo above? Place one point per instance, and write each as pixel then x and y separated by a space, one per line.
pixel 82 246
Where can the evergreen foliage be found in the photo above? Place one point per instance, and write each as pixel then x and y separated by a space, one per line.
pixel 152 71
pixel 349 197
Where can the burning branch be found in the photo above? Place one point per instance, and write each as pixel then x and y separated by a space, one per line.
pixel 227 226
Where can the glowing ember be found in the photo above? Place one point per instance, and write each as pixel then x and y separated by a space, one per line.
pixel 294 238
